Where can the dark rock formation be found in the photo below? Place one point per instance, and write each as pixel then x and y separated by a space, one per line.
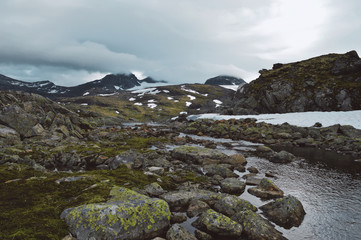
pixel 327 83
pixel 225 80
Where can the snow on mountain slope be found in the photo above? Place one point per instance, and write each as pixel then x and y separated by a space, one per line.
pixel 302 119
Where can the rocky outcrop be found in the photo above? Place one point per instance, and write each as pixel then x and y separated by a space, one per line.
pixel 287 212
pixel 225 80
pixel 327 83
pixel 128 215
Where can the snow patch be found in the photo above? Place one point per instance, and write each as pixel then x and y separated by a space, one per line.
pixel 132 99
pixel 170 98
pixel 191 97
pixel 232 87
pixel 188 104
pixel 301 119
pixel 138 104
pixel 217 102
pixel 192 91
pixel 116 112
pixel 152 105
pixel 87 93
pixel 106 94
pixel 151 101
pixel 166 91
pixel 142 92
pixel 84 104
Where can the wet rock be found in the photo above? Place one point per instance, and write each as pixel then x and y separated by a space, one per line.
pixel 256 227
pixel 270 174
pixel 283 157
pixel 218 224
pixel 230 205
pixel 181 199
pixel 197 155
pixel 178 217
pixel 177 232
pixel 128 215
pixel 232 186
pixel 252 169
pixel 253 180
pixel 286 212
pixel 196 207
pixel 154 189
pixel 266 190
pixel 224 170
pixel 264 149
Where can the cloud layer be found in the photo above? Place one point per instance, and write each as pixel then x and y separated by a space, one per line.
pixel 72 41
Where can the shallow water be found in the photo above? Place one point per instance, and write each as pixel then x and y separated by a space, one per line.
pixel 328 185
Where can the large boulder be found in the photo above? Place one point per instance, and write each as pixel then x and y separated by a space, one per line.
pixel 230 205
pixel 287 212
pixel 326 83
pixel 197 155
pixel 266 190
pixel 127 215
pixel 223 170
pixel 218 224
pixel 256 227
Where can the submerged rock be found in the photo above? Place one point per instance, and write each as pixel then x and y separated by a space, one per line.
pixel 128 215
pixel 218 224
pixel 266 190
pixel 287 212
pixel 283 157
pixel 256 227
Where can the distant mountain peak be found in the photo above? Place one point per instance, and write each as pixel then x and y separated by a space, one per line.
pixel 224 80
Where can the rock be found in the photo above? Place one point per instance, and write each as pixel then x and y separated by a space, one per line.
pixel 317 125
pixel 264 149
pixel 196 207
pixel 283 157
pixel 127 215
pixel 236 159
pixel 266 190
pixel 256 227
pixel 177 232
pixel 156 170
pixel 252 169
pixel 286 212
pixel 202 235
pixel 224 170
pixel 270 174
pixel 197 155
pixel 232 186
pixel 218 224
pixel 230 205
pixel 131 159
pixel 6 132
pixel 154 189
pixel 178 218
pixel 181 199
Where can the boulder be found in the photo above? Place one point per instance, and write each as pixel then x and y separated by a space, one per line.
pixel 197 155
pixel 266 190
pixel 282 157
pixel 154 189
pixel 178 217
pixel 256 227
pixel 236 159
pixel 202 235
pixel 286 212
pixel 127 215
pixel 177 232
pixel 196 207
pixel 230 205
pixel 131 159
pixel 232 186
pixel 218 224
pixel 223 170
pixel 181 199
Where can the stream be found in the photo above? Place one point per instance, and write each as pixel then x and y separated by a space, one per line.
pixel 327 183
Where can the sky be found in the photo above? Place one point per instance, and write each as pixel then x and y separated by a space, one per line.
pixel 70 42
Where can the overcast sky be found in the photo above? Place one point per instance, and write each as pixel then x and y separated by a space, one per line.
pixel 74 41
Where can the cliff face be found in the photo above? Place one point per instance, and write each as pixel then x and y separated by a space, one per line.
pixel 326 83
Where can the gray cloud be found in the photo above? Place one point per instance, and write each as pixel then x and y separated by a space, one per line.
pixel 71 41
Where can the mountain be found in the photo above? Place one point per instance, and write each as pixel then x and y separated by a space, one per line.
pixel 109 84
pixel 225 80
pixel 326 83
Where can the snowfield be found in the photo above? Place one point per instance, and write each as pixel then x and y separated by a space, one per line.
pixel 301 119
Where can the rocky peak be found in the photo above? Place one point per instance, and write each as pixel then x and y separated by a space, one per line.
pixel 225 80
pixel 326 83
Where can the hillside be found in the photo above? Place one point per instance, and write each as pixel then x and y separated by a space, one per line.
pixel 326 83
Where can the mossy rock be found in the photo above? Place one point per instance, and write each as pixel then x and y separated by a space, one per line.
pixel 230 205
pixel 127 215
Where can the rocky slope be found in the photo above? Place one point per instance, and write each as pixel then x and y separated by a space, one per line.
pixel 326 83
pixel 225 80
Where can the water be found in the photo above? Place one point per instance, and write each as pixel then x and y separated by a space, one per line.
pixel 328 185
